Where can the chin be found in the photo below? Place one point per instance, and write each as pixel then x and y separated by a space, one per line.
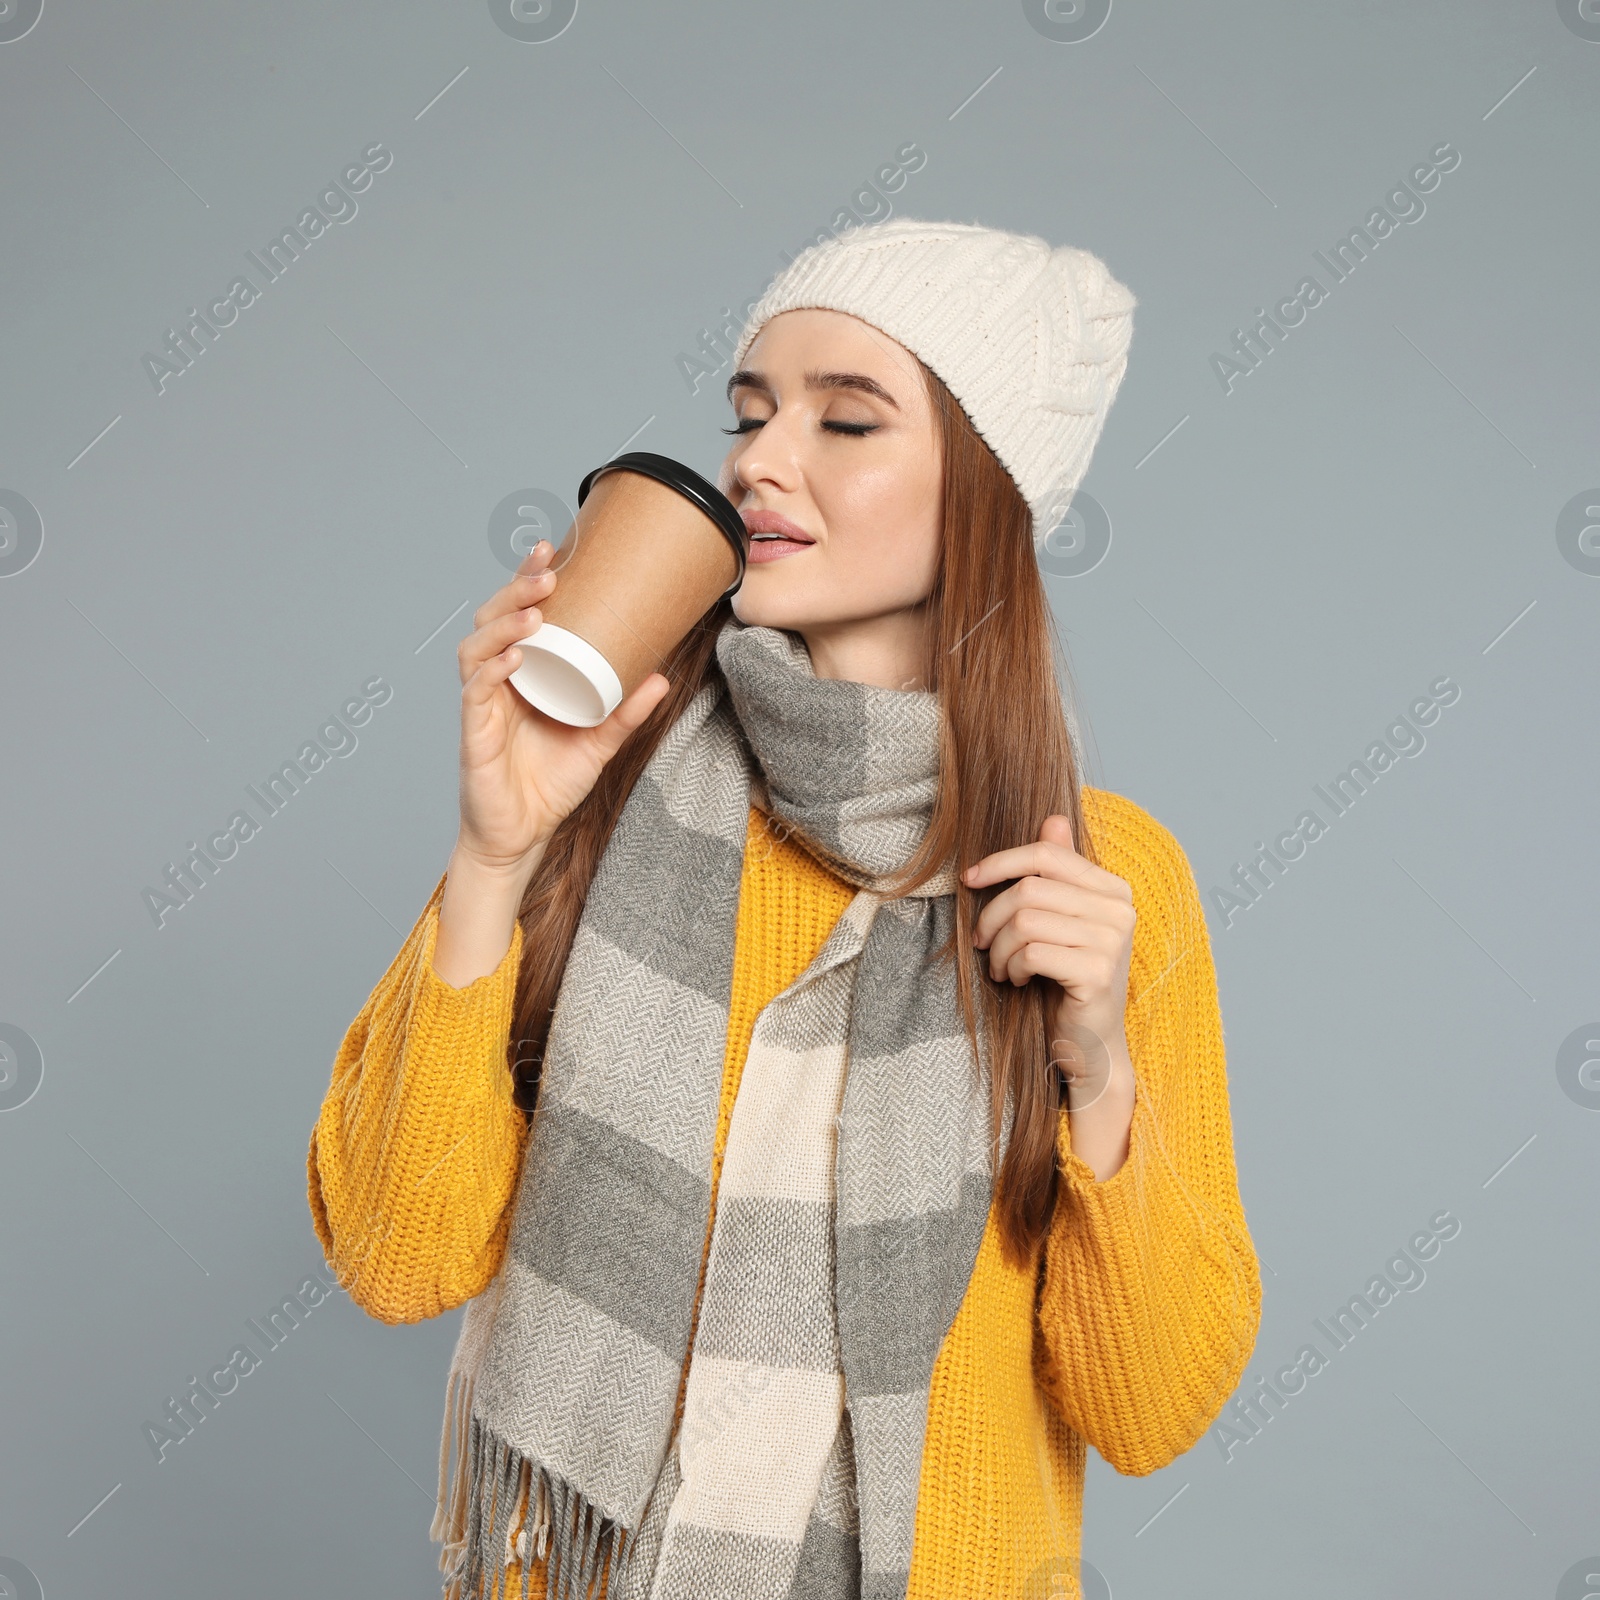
pixel 764 604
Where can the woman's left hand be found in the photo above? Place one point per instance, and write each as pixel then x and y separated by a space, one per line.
pixel 1066 919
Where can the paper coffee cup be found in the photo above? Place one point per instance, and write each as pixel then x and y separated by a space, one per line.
pixel 653 547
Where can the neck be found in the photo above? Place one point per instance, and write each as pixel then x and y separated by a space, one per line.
pixel 885 651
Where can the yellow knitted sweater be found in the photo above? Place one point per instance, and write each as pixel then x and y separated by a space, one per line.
pixel 1129 1332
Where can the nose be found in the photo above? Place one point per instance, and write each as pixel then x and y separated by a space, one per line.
pixel 764 457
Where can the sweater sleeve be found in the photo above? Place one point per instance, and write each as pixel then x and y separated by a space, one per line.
pixel 1150 1294
pixel 415 1154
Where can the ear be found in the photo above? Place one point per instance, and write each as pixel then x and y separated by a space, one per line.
pixel 1057 829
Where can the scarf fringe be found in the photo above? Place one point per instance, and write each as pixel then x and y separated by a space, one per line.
pixel 476 1510
pixel 447 1527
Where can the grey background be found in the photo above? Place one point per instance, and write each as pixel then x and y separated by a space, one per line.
pixel 308 506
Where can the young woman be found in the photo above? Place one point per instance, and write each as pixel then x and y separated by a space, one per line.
pixel 818 1095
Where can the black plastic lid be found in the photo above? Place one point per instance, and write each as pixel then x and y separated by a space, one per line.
pixel 692 486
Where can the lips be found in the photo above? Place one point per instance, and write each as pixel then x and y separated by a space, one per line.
pixel 773 537
pixel 768 524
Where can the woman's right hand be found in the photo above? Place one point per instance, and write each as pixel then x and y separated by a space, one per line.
pixel 522 772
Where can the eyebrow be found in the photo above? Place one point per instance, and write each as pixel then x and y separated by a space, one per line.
pixel 749 378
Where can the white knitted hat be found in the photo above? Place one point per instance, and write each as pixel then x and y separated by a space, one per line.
pixel 1033 341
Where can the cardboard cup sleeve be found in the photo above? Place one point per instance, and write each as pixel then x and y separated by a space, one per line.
pixel 653 547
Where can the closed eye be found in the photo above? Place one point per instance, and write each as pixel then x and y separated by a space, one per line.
pixel 855 430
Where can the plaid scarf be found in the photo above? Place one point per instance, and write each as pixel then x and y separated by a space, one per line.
pixel 853 1197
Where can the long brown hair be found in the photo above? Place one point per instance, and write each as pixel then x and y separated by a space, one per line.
pixel 995 659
